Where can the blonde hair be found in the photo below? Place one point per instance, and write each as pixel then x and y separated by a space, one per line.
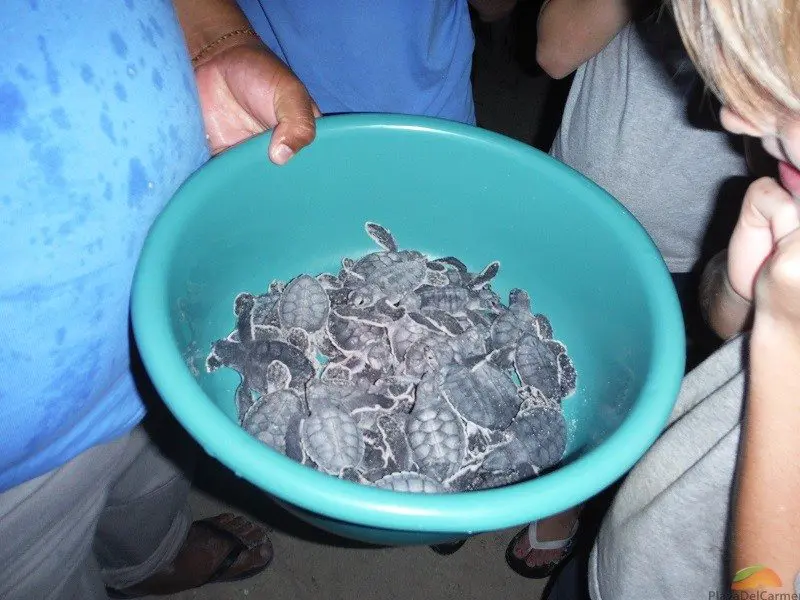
pixel 748 52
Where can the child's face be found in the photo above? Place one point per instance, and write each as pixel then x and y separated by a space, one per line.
pixel 780 138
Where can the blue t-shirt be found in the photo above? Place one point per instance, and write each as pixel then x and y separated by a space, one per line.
pixel 99 125
pixel 401 56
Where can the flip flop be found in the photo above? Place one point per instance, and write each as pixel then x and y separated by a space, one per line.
pixel 541 571
pixel 242 535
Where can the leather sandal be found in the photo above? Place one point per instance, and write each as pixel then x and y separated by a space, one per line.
pixel 218 549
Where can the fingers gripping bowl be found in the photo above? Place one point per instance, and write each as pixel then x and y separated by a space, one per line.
pixel 446 189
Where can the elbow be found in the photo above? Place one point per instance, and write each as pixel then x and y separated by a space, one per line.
pixel 552 62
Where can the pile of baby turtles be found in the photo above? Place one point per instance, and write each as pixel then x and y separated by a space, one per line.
pixel 402 372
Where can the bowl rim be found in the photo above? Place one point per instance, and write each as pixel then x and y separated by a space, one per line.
pixel 332 498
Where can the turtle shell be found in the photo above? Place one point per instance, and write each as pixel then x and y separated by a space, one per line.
pixel 304 304
pixel 539 364
pixel 543 432
pixel 386 448
pixel 506 464
pixel 332 440
pixel 270 418
pixel 409 481
pixel 351 335
pixel 484 394
pixel 438 440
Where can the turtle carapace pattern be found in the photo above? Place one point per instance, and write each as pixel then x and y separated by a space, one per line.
pixel 402 371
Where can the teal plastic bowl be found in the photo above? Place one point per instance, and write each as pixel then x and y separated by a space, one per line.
pixel 446 189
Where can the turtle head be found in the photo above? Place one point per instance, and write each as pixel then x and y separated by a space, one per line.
pixel 243 303
pixel 489 300
pixel 225 353
pixel 519 300
pixel 364 296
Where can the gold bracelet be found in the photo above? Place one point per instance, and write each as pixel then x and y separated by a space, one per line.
pixel 210 46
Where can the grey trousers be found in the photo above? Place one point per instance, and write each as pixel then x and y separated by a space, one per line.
pixel 112 516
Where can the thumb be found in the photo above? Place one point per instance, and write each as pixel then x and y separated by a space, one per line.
pixel 294 113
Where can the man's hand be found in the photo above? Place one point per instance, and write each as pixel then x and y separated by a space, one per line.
pixel 244 90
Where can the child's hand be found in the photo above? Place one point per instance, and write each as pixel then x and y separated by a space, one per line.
pixel 778 285
pixel 768 216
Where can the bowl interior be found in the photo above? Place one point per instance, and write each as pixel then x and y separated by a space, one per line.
pixel 444 189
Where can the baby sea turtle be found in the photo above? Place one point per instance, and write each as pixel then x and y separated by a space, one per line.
pixel 276 286
pixel 456 271
pixel 409 481
pixel 252 359
pixel 543 432
pixel 428 354
pixel 515 322
pixel 386 448
pixel 398 388
pixel 255 314
pixel 508 463
pixel 484 394
pixel 453 299
pixel 304 304
pixel 354 475
pixel 244 400
pixel 329 281
pixel 379 314
pixel 265 310
pixel 381 236
pixel 469 344
pixel 403 370
pixel 488 273
pixel 392 273
pixel 325 346
pixel 486 299
pixel 337 373
pixel 445 322
pixel 293 443
pixel 407 330
pixel 268 333
pixel 329 394
pixel 278 376
pixel 481 441
pixel 543 327
pixel 378 355
pixel 350 335
pixel 438 440
pixel 539 364
pixel 271 417
pixel 332 440
pixel 300 339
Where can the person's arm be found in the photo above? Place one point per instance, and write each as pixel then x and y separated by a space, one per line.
pixel 493 10
pixel 766 515
pixel 206 21
pixel 764 262
pixel 570 32
pixel 725 311
pixel 244 88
